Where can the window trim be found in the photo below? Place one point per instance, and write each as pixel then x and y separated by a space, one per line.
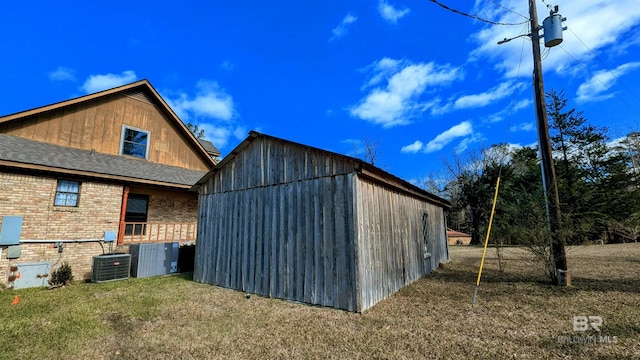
pixel 426 233
pixel 122 135
pixel 140 227
pixel 65 205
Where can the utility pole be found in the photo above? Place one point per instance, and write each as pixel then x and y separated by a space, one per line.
pixel 558 243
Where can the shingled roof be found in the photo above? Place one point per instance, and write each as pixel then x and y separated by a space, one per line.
pixel 209 147
pixel 29 154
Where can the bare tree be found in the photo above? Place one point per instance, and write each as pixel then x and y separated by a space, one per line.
pixel 367 149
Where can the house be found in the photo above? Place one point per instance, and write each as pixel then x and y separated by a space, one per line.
pixel 114 165
pixel 289 221
pixel 458 238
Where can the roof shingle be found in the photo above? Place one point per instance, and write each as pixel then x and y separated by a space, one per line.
pixel 30 152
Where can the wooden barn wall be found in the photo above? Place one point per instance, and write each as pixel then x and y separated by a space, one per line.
pixel 389 241
pixel 292 240
pixel 97 124
pixel 267 161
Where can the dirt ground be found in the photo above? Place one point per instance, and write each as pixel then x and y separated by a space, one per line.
pixel 518 315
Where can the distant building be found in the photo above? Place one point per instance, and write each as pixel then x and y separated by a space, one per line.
pixel 458 238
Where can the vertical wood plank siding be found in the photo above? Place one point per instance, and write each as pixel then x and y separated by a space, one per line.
pixel 390 248
pixel 278 222
pixel 293 222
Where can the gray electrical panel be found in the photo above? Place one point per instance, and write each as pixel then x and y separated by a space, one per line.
pixel 10 230
pixel 154 259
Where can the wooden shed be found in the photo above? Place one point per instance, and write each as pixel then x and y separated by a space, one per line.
pixel 289 221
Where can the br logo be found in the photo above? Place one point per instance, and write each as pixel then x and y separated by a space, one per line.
pixel 583 323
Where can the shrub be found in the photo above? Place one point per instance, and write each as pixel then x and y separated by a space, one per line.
pixel 62 276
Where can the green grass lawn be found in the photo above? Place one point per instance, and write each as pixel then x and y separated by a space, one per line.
pixel 517 315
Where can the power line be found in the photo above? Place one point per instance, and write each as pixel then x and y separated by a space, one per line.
pixel 513 98
pixel 509 10
pixel 600 81
pixel 475 17
pixel 605 65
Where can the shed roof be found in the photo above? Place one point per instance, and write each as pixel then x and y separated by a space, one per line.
pixel 361 167
pixel 454 233
pixel 16 152
pixel 138 87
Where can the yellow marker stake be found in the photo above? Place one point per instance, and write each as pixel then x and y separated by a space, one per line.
pixel 486 241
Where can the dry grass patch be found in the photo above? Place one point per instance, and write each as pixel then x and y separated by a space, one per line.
pixel 517 315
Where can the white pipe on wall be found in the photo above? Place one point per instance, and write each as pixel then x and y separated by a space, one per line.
pixel 62 241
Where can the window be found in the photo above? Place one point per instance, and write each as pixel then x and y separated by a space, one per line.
pixel 136 213
pixel 134 142
pixel 67 193
pixel 425 234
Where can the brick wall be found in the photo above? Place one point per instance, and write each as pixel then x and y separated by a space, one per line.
pixel 98 210
pixel 169 206
pixel 32 197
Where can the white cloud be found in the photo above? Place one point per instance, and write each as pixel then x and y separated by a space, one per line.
pixel 526 126
pixel 507 111
pixel 240 132
pixel 597 23
pixel 397 102
pixel 461 130
pixel 227 65
pixel 412 148
pixel 210 101
pixel 479 100
pixel 522 104
pixel 389 13
pixel 592 90
pixel 222 134
pixel 62 74
pixel 97 83
pixel 464 143
pixel 212 109
pixel 341 30
pixel 383 69
pixel 484 98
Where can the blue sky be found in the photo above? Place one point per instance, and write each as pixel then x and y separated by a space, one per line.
pixel 425 83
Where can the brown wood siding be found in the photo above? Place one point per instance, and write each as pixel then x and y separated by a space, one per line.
pixel 292 241
pixel 389 241
pixel 97 124
pixel 266 162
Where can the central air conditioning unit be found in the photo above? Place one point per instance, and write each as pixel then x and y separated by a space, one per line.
pixel 111 267
pixel 154 259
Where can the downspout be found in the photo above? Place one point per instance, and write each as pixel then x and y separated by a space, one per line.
pixel 123 212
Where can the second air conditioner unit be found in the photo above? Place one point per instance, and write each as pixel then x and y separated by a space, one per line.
pixel 154 259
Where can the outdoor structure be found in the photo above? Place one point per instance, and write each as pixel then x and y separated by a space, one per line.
pixel 458 238
pixel 289 221
pixel 114 165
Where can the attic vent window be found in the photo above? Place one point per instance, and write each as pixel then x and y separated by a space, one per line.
pixel 135 142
